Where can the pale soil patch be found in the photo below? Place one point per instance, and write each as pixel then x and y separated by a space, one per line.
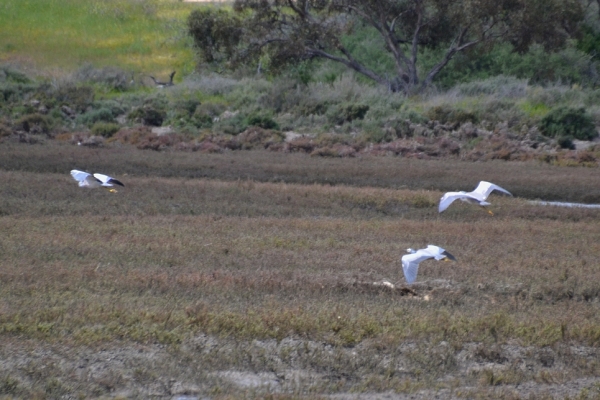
pixel 288 366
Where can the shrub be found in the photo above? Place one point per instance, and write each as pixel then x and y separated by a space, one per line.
pixel 186 106
pixel 4 130
pixel 309 108
pixel 201 121
pixel 232 125
pixel 500 86
pixel 112 78
pixel 209 108
pixel 105 129
pixel 115 107
pixel 9 74
pixel 262 121
pixel 445 114
pixel 566 142
pixel 347 113
pixel 100 115
pixel 153 116
pixel 35 123
pixel 205 114
pixel 566 121
pixel 148 115
pixel 77 97
pixel 152 112
pixel 256 137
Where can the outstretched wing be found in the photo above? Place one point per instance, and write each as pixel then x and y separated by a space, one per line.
pixel 107 180
pixel 410 268
pixel 85 179
pixel 483 190
pixel 410 263
pixel 79 176
pixel 448 198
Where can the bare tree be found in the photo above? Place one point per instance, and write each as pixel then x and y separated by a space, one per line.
pixel 286 31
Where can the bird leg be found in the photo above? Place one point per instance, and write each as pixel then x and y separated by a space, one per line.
pixel 112 190
pixel 488 211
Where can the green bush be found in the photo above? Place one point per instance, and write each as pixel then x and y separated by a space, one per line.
pixel 566 142
pixel 100 115
pixel 78 98
pixel 204 114
pixel 567 121
pixel 445 114
pixel 152 116
pixel 148 115
pixel 232 125
pixel 113 78
pixel 115 107
pixel 35 123
pixel 105 129
pixel 262 121
pixel 312 108
pixel 152 112
pixel 347 113
pixel 15 92
pixel 535 65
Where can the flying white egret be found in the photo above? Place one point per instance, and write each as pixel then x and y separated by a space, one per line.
pixel 477 196
pixel 94 181
pixel 411 261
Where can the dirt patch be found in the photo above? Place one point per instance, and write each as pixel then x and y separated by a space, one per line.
pixel 205 364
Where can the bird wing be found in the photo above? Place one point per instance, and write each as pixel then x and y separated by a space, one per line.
pixel 107 180
pixel 448 255
pixel 79 176
pixel 448 198
pixel 438 253
pixel 410 269
pixel 410 263
pixel 483 190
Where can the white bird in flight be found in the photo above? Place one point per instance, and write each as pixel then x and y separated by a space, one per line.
pixel 477 196
pixel 94 181
pixel 411 261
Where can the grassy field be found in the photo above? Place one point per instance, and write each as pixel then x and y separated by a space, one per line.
pixel 250 274
pixel 56 37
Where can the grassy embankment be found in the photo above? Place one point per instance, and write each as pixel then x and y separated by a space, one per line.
pixel 170 258
pixel 56 37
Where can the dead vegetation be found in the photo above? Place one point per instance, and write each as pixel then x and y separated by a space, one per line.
pixel 256 287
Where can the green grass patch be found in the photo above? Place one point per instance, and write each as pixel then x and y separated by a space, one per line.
pixel 58 35
pixel 533 110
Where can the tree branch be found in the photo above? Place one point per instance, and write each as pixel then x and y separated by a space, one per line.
pixel 348 62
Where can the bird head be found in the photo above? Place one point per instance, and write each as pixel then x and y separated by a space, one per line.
pixel 409 250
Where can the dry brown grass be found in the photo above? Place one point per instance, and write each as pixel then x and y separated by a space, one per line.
pixel 233 274
pixel 532 180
